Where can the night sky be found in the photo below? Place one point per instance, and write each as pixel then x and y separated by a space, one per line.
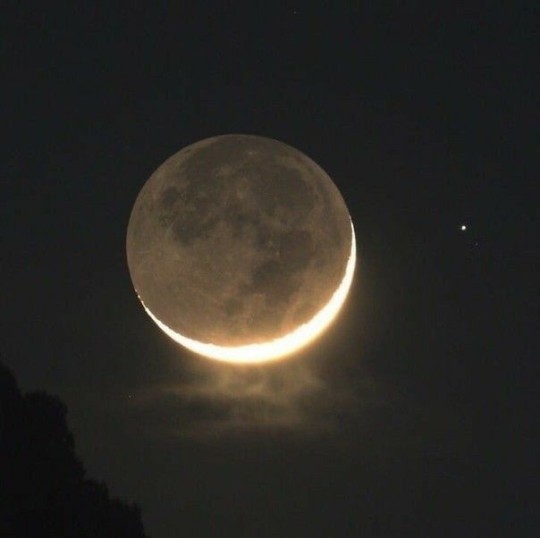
pixel 414 414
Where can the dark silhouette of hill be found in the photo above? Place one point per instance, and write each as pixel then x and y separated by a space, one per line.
pixel 43 488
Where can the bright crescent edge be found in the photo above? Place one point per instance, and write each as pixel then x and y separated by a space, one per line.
pixel 280 347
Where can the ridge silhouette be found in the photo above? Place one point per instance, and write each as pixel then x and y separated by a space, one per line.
pixel 44 491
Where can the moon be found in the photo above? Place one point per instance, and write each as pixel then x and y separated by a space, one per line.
pixel 241 248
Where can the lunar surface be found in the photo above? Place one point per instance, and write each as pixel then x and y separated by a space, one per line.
pixel 241 248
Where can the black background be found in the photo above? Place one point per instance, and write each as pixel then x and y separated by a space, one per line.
pixel 414 414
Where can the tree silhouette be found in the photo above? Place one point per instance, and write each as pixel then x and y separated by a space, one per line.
pixel 43 489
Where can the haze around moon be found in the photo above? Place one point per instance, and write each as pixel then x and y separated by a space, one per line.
pixel 241 248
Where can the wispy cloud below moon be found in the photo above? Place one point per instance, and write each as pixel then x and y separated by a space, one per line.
pixel 217 402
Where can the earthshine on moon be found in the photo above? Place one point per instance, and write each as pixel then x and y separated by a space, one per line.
pixel 241 248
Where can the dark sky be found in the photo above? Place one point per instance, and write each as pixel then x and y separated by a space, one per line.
pixel 413 415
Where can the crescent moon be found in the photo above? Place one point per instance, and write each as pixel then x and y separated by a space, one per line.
pixel 241 249
pixel 279 347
